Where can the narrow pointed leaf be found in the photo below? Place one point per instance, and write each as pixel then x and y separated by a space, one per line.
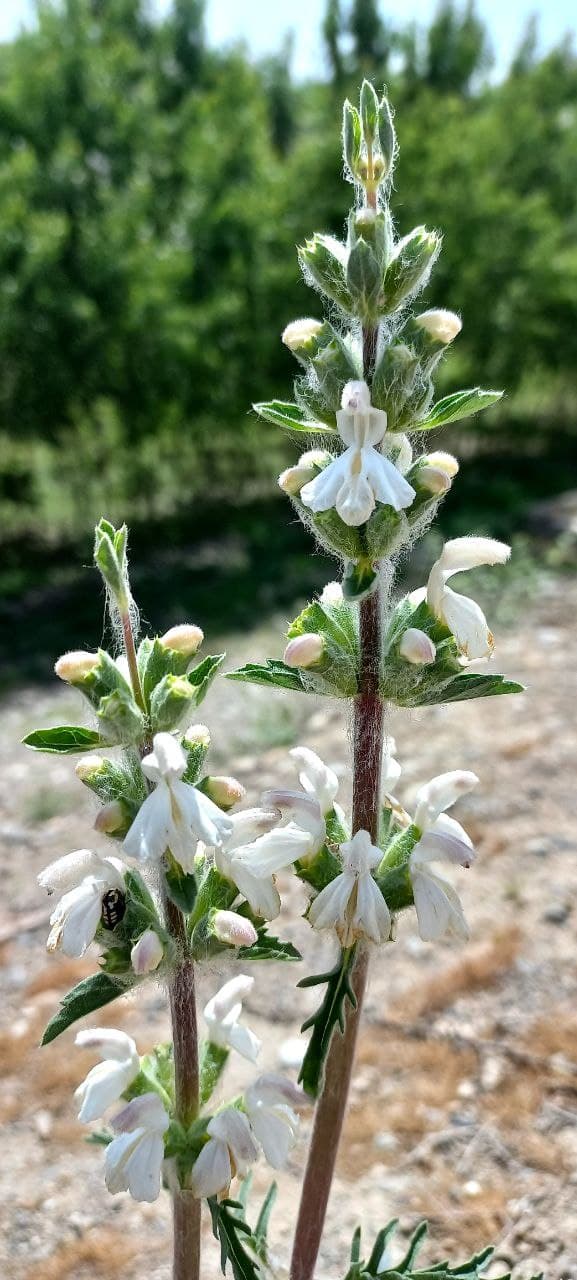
pixel 461 404
pixel 202 676
pixel 65 739
pixel 292 416
pixel 90 994
pixel 273 673
pixel 328 1017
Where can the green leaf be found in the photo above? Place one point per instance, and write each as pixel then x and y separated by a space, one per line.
pixel 273 673
pixel 228 1227
pixel 269 948
pixel 380 1245
pixel 181 886
pixel 414 1246
pixel 202 676
pixel 285 414
pixel 66 739
pixel 329 1016
pixel 213 1060
pixel 90 994
pixel 461 404
pixel 262 1222
pixel 462 688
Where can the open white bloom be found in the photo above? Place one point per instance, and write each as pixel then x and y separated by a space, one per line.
pixel 464 618
pixel 360 477
pixel 222 1014
pixel 175 815
pixel 437 903
pixel 352 903
pixel 316 778
pixel 270 1103
pixel 133 1160
pixel 109 1079
pixel 228 1154
pixel 259 846
pixel 83 877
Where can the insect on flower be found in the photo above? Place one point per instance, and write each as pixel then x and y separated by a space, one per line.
pixel 113 908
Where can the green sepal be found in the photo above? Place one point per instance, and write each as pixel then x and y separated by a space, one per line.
pixel 116 960
pixel 321 869
pixel 460 404
pixel 384 531
pixel 155 661
pixel 196 753
pixel 215 893
pixel 369 103
pixel 325 259
pixel 338 665
pixel 156 1074
pixel 118 781
pixel 230 1229
pixel 364 279
pixel 110 558
pixel 272 673
pixel 169 700
pixel 352 138
pixel 213 1059
pixel 328 1017
pixel 121 721
pixel 202 676
pixel 181 886
pixel 284 414
pixel 396 888
pixel 66 739
pixel 104 678
pixel 398 850
pixel 334 534
pixel 89 994
pixel 360 579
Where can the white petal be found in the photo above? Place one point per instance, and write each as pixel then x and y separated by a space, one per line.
pixel 67 872
pixel 371 916
pixel 438 906
pixel 166 760
pixel 211 1172
pixel 329 907
pixel 320 494
pixel 248 824
pixel 440 793
pixel 103 1086
pixel 228 997
pixel 275 1134
pixel 232 1127
pixel 355 500
pixel 316 778
pixel 148 837
pixel 144 1166
pixel 116 1157
pixel 461 554
pixel 259 891
pixel 244 1041
pixel 145 1111
pixel 360 854
pixel 201 814
pixel 77 917
pixel 467 622
pixel 274 850
pixel 387 483
pixel 113 1045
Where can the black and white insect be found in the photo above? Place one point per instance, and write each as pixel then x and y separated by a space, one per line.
pixel 113 908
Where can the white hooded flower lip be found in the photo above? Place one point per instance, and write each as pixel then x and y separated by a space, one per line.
pixel 133 1160
pixel 229 1153
pixel 463 616
pixel 84 877
pixel 352 903
pixel 441 793
pixel 269 1103
pixel 222 1014
pixel 316 778
pixel 361 476
pixel 109 1079
pixel 175 815
pixel 258 848
pixel 437 903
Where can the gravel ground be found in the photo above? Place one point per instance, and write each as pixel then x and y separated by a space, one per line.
pixel 464 1107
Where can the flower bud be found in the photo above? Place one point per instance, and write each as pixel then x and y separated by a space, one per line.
pixel 304 651
pixel 112 817
pixel 197 735
pixel 89 767
pixel 411 266
pixel 299 336
pixel 225 792
pixel 147 953
pixel 433 479
pixel 233 929
pixel 169 701
pixel 293 479
pixel 417 647
pixel 332 594
pixel 444 462
pixel 184 638
pixel 75 666
pixel 441 326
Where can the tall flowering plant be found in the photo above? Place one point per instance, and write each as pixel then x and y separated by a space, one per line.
pixel 192 873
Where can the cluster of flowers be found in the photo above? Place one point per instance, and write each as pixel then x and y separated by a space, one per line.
pixel 135 1161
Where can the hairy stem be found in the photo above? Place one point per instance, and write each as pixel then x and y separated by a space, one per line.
pixel 331 1107
pixel 186 1209
pixel 130 650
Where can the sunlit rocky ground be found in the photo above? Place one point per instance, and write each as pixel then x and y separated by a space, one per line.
pixel 464 1108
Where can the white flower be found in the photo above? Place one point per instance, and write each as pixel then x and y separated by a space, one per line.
pixel 83 877
pixel 442 326
pixel 437 904
pixel 222 1014
pixel 461 615
pixel 109 1079
pixel 417 647
pixel 269 1103
pixel 257 848
pixel 133 1160
pixel 147 953
pixel 229 1152
pixel 176 814
pixel 304 651
pixel 316 778
pixel 352 903
pixel 360 477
